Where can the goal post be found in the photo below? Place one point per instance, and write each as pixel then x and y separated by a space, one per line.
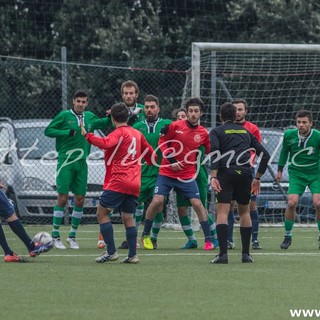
pixel 276 80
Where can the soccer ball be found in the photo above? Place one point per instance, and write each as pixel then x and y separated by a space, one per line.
pixel 43 238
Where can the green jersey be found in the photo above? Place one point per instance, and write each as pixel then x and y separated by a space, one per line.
pixel 151 131
pixel 303 152
pixel 74 147
pixel 203 171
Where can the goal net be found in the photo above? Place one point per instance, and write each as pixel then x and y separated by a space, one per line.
pixel 276 80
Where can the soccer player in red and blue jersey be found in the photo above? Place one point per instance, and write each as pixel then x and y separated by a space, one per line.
pixel 124 149
pixel 178 169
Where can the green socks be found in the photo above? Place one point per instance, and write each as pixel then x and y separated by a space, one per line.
pixel 77 214
pixel 58 213
pixel 187 227
pixel 288 225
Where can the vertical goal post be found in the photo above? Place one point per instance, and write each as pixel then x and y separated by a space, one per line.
pixel 276 80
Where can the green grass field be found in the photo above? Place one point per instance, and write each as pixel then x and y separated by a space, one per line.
pixel 168 283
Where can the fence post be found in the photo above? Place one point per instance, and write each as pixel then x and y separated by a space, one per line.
pixel 64 78
pixel 64 106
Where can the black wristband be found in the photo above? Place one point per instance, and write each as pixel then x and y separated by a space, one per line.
pixel 280 168
pixel 256 178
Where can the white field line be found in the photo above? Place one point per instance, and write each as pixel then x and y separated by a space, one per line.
pixel 304 254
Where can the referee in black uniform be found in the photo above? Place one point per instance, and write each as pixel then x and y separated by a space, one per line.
pixel 231 177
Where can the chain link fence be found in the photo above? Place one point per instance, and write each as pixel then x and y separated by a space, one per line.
pixel 33 92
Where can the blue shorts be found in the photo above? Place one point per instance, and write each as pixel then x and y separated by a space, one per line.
pixel 189 190
pixel 116 200
pixel 6 206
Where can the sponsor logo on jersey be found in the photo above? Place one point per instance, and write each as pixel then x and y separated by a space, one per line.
pixel 197 138
pixel 179 131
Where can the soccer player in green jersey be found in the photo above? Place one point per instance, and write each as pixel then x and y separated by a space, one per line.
pixel 302 146
pixel 129 95
pixel 72 170
pixel 150 128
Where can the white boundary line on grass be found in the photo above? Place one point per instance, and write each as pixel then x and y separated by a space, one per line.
pixel 305 254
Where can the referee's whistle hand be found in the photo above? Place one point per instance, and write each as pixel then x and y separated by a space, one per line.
pixel 255 187
pixel 216 185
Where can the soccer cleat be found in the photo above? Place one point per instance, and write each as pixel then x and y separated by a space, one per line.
pixel 208 245
pixel 154 243
pixel 58 244
pixel 106 257
pixel 286 243
pixel 191 244
pixel 73 243
pixel 246 258
pixel 223 259
pixel 215 243
pixel 40 248
pixel 133 259
pixel 147 243
pixel 124 245
pixel 230 245
pixel 13 258
pixel 256 245
pixel 101 244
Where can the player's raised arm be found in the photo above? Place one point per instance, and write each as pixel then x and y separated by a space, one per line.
pixel 57 128
pixel 104 143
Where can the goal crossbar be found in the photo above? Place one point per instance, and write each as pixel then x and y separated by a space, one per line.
pixel 197 47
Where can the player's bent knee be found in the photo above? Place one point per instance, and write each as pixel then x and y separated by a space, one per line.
pixel 157 202
pixel 102 213
pixel 292 205
pixel 317 205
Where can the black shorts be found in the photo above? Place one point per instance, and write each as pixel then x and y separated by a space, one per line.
pixel 235 185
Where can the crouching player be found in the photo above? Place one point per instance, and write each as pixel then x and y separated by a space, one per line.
pixel 7 213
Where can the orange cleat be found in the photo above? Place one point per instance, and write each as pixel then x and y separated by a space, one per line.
pixel 13 258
